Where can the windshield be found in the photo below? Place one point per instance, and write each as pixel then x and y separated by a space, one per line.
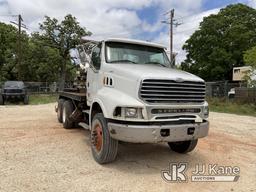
pixel 137 54
pixel 19 84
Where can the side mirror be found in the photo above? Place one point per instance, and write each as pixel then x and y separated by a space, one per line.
pixel 73 58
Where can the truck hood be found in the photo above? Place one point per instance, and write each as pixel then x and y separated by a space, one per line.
pixel 142 71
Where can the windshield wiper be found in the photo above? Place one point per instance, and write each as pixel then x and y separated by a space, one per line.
pixel 123 61
pixel 157 63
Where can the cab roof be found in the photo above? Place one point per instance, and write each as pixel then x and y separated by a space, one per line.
pixel 133 41
pixel 124 40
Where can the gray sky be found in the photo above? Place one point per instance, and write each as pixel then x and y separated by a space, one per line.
pixel 140 19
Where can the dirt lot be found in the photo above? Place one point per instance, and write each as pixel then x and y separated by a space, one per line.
pixel 37 154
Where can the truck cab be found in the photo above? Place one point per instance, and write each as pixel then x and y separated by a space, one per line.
pixel 134 94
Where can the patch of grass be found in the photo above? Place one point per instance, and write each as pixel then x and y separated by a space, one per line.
pixel 226 106
pixel 42 99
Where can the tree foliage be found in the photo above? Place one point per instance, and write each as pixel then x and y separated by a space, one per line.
pixel 250 60
pixel 63 36
pixel 41 60
pixel 250 57
pixel 45 55
pixel 8 39
pixel 219 43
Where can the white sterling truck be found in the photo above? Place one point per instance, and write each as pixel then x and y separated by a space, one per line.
pixel 134 94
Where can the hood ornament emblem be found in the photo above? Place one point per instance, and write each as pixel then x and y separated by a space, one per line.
pixel 179 80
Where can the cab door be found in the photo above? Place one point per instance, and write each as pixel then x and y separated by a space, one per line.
pixel 93 75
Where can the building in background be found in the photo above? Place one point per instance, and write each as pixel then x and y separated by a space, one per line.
pixel 239 73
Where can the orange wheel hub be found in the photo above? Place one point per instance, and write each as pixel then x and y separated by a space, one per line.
pixel 98 137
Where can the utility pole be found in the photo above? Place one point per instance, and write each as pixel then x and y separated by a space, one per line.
pixel 19 47
pixel 171 34
pixel 19 53
pixel 170 22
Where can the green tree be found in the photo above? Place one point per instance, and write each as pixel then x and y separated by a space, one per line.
pixel 8 53
pixel 250 60
pixel 250 57
pixel 63 36
pixel 8 39
pixel 219 43
pixel 41 61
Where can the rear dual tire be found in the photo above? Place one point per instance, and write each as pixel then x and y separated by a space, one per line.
pixel 64 111
pixel 67 110
pixel 60 110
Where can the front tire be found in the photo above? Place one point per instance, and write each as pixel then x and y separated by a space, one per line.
pixel 183 146
pixel 68 109
pixel 104 147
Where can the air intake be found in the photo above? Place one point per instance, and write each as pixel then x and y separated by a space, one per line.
pixel 170 91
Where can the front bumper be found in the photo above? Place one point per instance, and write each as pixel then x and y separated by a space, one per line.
pixel 154 133
pixel 13 95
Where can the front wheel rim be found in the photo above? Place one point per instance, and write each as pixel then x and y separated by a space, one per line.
pixel 97 137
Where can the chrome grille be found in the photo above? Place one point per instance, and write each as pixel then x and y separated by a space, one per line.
pixel 170 91
pixel 12 90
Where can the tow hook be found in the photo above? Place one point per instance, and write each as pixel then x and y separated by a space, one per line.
pixel 191 131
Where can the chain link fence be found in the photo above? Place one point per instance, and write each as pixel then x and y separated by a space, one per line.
pixel 245 95
pixel 219 89
pixel 42 87
pixel 230 90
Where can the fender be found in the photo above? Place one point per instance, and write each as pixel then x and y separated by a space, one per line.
pixel 100 103
pixel 109 98
pixel 113 98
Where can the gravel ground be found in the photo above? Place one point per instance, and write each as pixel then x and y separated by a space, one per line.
pixel 37 154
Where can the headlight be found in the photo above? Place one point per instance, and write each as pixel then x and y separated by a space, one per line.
pixel 131 112
pixel 128 112
pixel 206 111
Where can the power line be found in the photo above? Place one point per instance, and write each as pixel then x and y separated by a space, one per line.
pixel 9 15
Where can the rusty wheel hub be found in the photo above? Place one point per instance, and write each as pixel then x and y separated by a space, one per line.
pixel 97 137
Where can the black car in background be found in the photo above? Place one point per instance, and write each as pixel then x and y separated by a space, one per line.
pixel 14 91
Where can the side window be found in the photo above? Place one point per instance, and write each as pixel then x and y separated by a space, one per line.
pixel 96 57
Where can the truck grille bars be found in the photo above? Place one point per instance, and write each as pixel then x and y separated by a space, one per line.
pixel 12 90
pixel 170 91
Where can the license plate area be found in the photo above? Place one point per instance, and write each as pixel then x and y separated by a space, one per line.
pixel 191 130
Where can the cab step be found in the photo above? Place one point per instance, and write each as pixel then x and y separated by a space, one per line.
pixel 84 125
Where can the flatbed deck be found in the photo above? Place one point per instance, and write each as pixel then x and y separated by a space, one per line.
pixel 81 97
